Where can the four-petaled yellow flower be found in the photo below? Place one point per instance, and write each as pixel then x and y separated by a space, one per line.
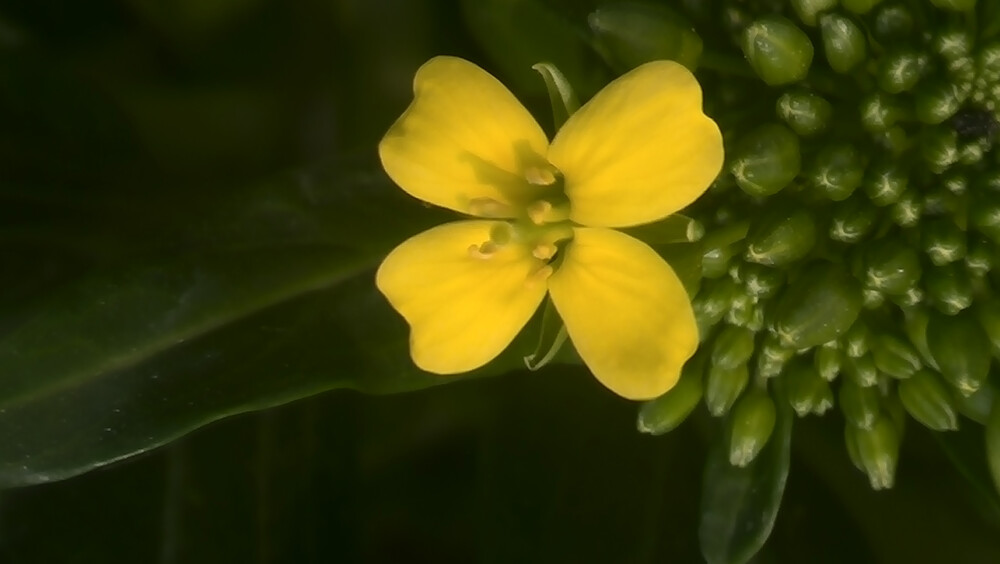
pixel 640 150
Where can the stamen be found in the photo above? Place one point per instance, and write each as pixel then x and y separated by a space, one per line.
pixel 543 211
pixel 484 251
pixel 544 251
pixel 539 276
pixel 540 176
pixel 490 208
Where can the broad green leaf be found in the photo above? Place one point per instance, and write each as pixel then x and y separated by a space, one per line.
pixel 739 505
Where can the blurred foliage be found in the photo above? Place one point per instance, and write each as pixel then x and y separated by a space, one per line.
pixel 190 213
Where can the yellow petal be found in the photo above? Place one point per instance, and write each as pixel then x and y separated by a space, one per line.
pixel 640 150
pixel 462 310
pixel 626 312
pixel 465 137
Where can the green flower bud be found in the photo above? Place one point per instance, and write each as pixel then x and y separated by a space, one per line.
pixel 713 302
pixel 988 314
pixel 956 5
pixel 976 406
pixel 942 240
pixel 861 370
pixel 981 257
pixel 939 148
pixel 779 52
pixel 893 22
pixel 929 401
pixel 893 355
pixel 878 451
pixel 937 101
pixel 952 43
pixel 852 220
pixel 885 181
pixel 907 209
pixel 665 413
pixel 772 357
pixel 915 328
pixel 860 405
pixel 939 201
pixel 807 391
pixel 948 288
pixel 633 33
pixel 781 237
pixel 844 42
pixel 961 348
pixel 743 312
pixel 723 386
pixel 761 282
pixel 719 246
pixel 859 6
pixel 984 214
pixel 752 423
pixel 808 10
pixel 880 111
pixel 732 347
pixel 854 343
pixel 971 153
pixel 891 266
pixel 956 184
pixel 805 112
pixel 818 307
pixel 766 160
pixel 837 171
pixel 828 360
pixel 900 71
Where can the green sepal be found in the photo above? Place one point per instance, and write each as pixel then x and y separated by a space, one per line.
pixel 561 95
pixel 893 355
pixel 928 400
pixel 723 387
pixel 750 426
pixel 760 282
pixel 844 42
pixel 629 34
pixel 818 307
pixel 713 302
pixel 906 211
pixel 942 240
pixel 939 148
pixel 984 214
pixel 733 347
pixel 807 113
pixel 675 228
pixel 828 361
pixel 948 288
pixel 782 236
pixel 861 370
pixel 878 452
pixel 915 327
pixel 900 71
pixel 719 246
pixel 779 52
pixel 937 101
pixel 880 111
pixel 837 171
pixel 961 349
pixel 667 412
pixel 808 392
pixel 859 404
pixel 852 220
pixel 988 314
pixel 891 266
pixel 809 10
pixel 981 256
pixel 766 160
pixel 552 336
pixel 894 22
pixel 885 181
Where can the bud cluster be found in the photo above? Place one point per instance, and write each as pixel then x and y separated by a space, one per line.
pixel 852 242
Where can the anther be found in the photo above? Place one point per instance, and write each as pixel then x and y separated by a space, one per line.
pixel 540 176
pixel 490 208
pixel 484 251
pixel 539 211
pixel 539 276
pixel 544 251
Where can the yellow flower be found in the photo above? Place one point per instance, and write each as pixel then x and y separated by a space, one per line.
pixel 640 150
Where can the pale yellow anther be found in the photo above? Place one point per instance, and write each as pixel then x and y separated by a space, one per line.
pixel 544 251
pixel 539 276
pixel 540 176
pixel 489 208
pixel 539 211
pixel 484 251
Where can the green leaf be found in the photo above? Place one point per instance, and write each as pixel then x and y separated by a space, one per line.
pixel 739 505
pixel 561 95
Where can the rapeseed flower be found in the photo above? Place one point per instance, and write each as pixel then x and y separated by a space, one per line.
pixel 640 150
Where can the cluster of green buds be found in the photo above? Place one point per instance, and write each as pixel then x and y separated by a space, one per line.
pixel 851 245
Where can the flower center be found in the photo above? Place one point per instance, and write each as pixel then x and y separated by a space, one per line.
pixel 540 227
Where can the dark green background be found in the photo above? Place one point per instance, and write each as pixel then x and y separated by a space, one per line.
pixel 147 146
